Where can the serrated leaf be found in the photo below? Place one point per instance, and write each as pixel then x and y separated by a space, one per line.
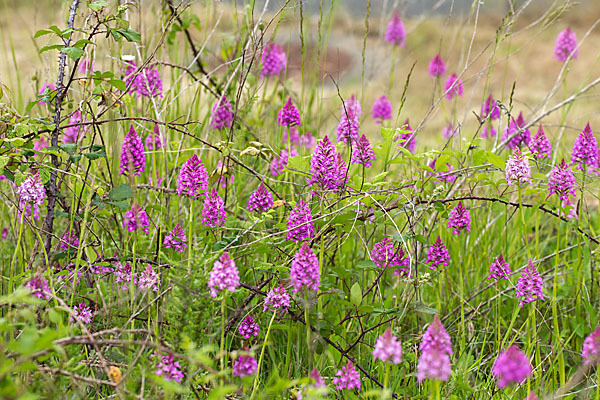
pixel 73 52
pixel 120 193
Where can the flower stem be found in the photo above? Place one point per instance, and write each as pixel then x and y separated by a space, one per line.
pixel 262 353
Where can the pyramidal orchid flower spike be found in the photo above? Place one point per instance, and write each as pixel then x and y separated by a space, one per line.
pixel 348 129
pixel 149 279
pixel 384 256
pixel 459 219
pixel 449 131
pixel 244 365
pixel 395 33
pixel 277 300
pixel 175 239
pixel 224 275
pixel 213 210
pixel 289 115
pixel 511 367
pixel 438 255
pixel 382 109
pixel 437 66
pixel 133 158
pixel 566 45
pixel 540 145
pixel 388 348
pixel 273 60
pixel 490 109
pixel 562 181
pixel 316 377
pixel 300 224
pixel 193 178
pixel 73 133
pixel 591 348
pixel 221 114
pixel 249 328
pixel 347 377
pixel 136 218
pixel 522 136
pixel 408 140
pixel 38 285
pixel 585 150
pixel 279 162
pixel 153 141
pixel 453 87
pixel 499 269
pixel 530 285
pixel 363 154
pixel 168 368
pixel 327 167
pixel 436 348
pixel 81 312
pixel 261 199
pixel 304 272
pixel 517 169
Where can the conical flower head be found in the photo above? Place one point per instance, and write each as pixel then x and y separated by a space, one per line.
pixel 153 141
pixel 459 219
pixel 395 33
pixel 453 87
pixel 32 190
pixel 437 66
pixel 363 154
pixel 288 115
pixel 193 178
pixel 133 159
pixel 566 45
pixel 347 377
pixel 436 348
pixel 382 109
pixel 408 140
pixel 490 109
pixel 213 210
pixel 512 366
pixel 437 255
pixel 300 224
pixel 384 256
pixel 499 269
pixel 304 272
pixel 562 181
pixel 222 114
pixel 168 368
pixel 348 129
pixel 540 145
pixel 585 149
pixel 249 328
pixel 591 348
pixel 149 279
pixel 273 60
pixel 175 239
pixel 449 131
pixel 517 128
pixel 351 107
pixel 279 162
pixel 224 275
pixel 136 218
pixel 316 376
pixel 327 167
pixel 295 138
pixel 388 348
pixel 81 312
pixel 277 300
pixel 245 365
pixel 261 199
pixel 39 287
pixel 73 133
pixel 530 285
pixel 517 169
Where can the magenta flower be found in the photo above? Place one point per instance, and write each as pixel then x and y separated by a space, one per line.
pixel 86 66
pixel 304 272
pixel 459 219
pixel 517 169
pixel 136 218
pixel 300 224
pixel 499 269
pixel 168 368
pixel 213 211
pixel 146 83
pixel 449 131
pixel 562 181
pixel 488 131
pixel 446 176
pixel 540 145
pixel 517 128
pixel 437 66
pixel 384 256
pixel 249 328
pixel 125 276
pixel 81 312
pixel 316 376
pixel 289 115
pixel 362 153
pixel 245 365
pixel 395 33
pixel 591 348
pixel 511 366
pixel 388 348
pixel 261 199
pixel 490 109
pixel 277 300
pixel 530 284
pixel 327 167
pixel 224 275
pixel 273 60
pixel 348 129
pixel 437 255
pixel 453 87
pixel 153 141
pixel 347 377
pixel 47 93
pixel 309 140
pixel 279 162
pixel 222 114
pixel 351 108
pixel 566 45
pixel 149 279
pixel 532 396
pixel 175 239
pixel 436 348
pixel 585 149
pixel 32 194
pixel 193 178
pixel 72 133
pixel 295 137
pixel 40 144
pixel 382 109
pixel 133 159
pixel 408 140
pixel 70 240
pixel 39 287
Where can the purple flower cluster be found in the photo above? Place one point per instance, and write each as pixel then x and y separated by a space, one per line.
pixel 168 368
pixel 517 169
pixel 125 276
pixel 273 60
pixel 384 256
pixel 249 328
pixel 459 219
pixel 490 111
pixel 327 167
pixel 363 154
pixel 585 150
pixel 566 45
pixel 347 377
pixel 39 287
pixel 175 239
pixel 511 366
pixel 453 87
pixel 213 210
pixel 81 312
pixel 261 199
pixel 193 178
pixel 388 348
pixel 244 365
pixel 530 284
pixel 222 114
pixel 32 194
pixel 153 141
pixel 382 109
pixel 445 176
pixel 289 115
pixel 148 279
pixel 70 240
pixel 279 162
pixel 72 133
pixel 562 181
pixel 591 348
pixel 316 376
pixel 136 218
pixel 224 275
pixel 499 269
pixel 395 33
pixel 436 348
pixel 300 224
pixel 408 140
pixel 304 272
pixel 277 300
pixel 437 66
pixel 521 136
pixel 449 131
pixel 133 159
pixel 437 255
pixel 540 145
pixel 146 83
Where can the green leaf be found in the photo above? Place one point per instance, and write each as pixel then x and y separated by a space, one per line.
pixel 68 148
pixel 130 35
pixel 356 294
pixel 119 193
pixel 73 52
pixel 95 155
pixel 42 32
pixel 51 47
pixel 119 84
pixel 97 5
pixel 495 160
pixel 3 161
pixel 422 308
pixel 367 264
